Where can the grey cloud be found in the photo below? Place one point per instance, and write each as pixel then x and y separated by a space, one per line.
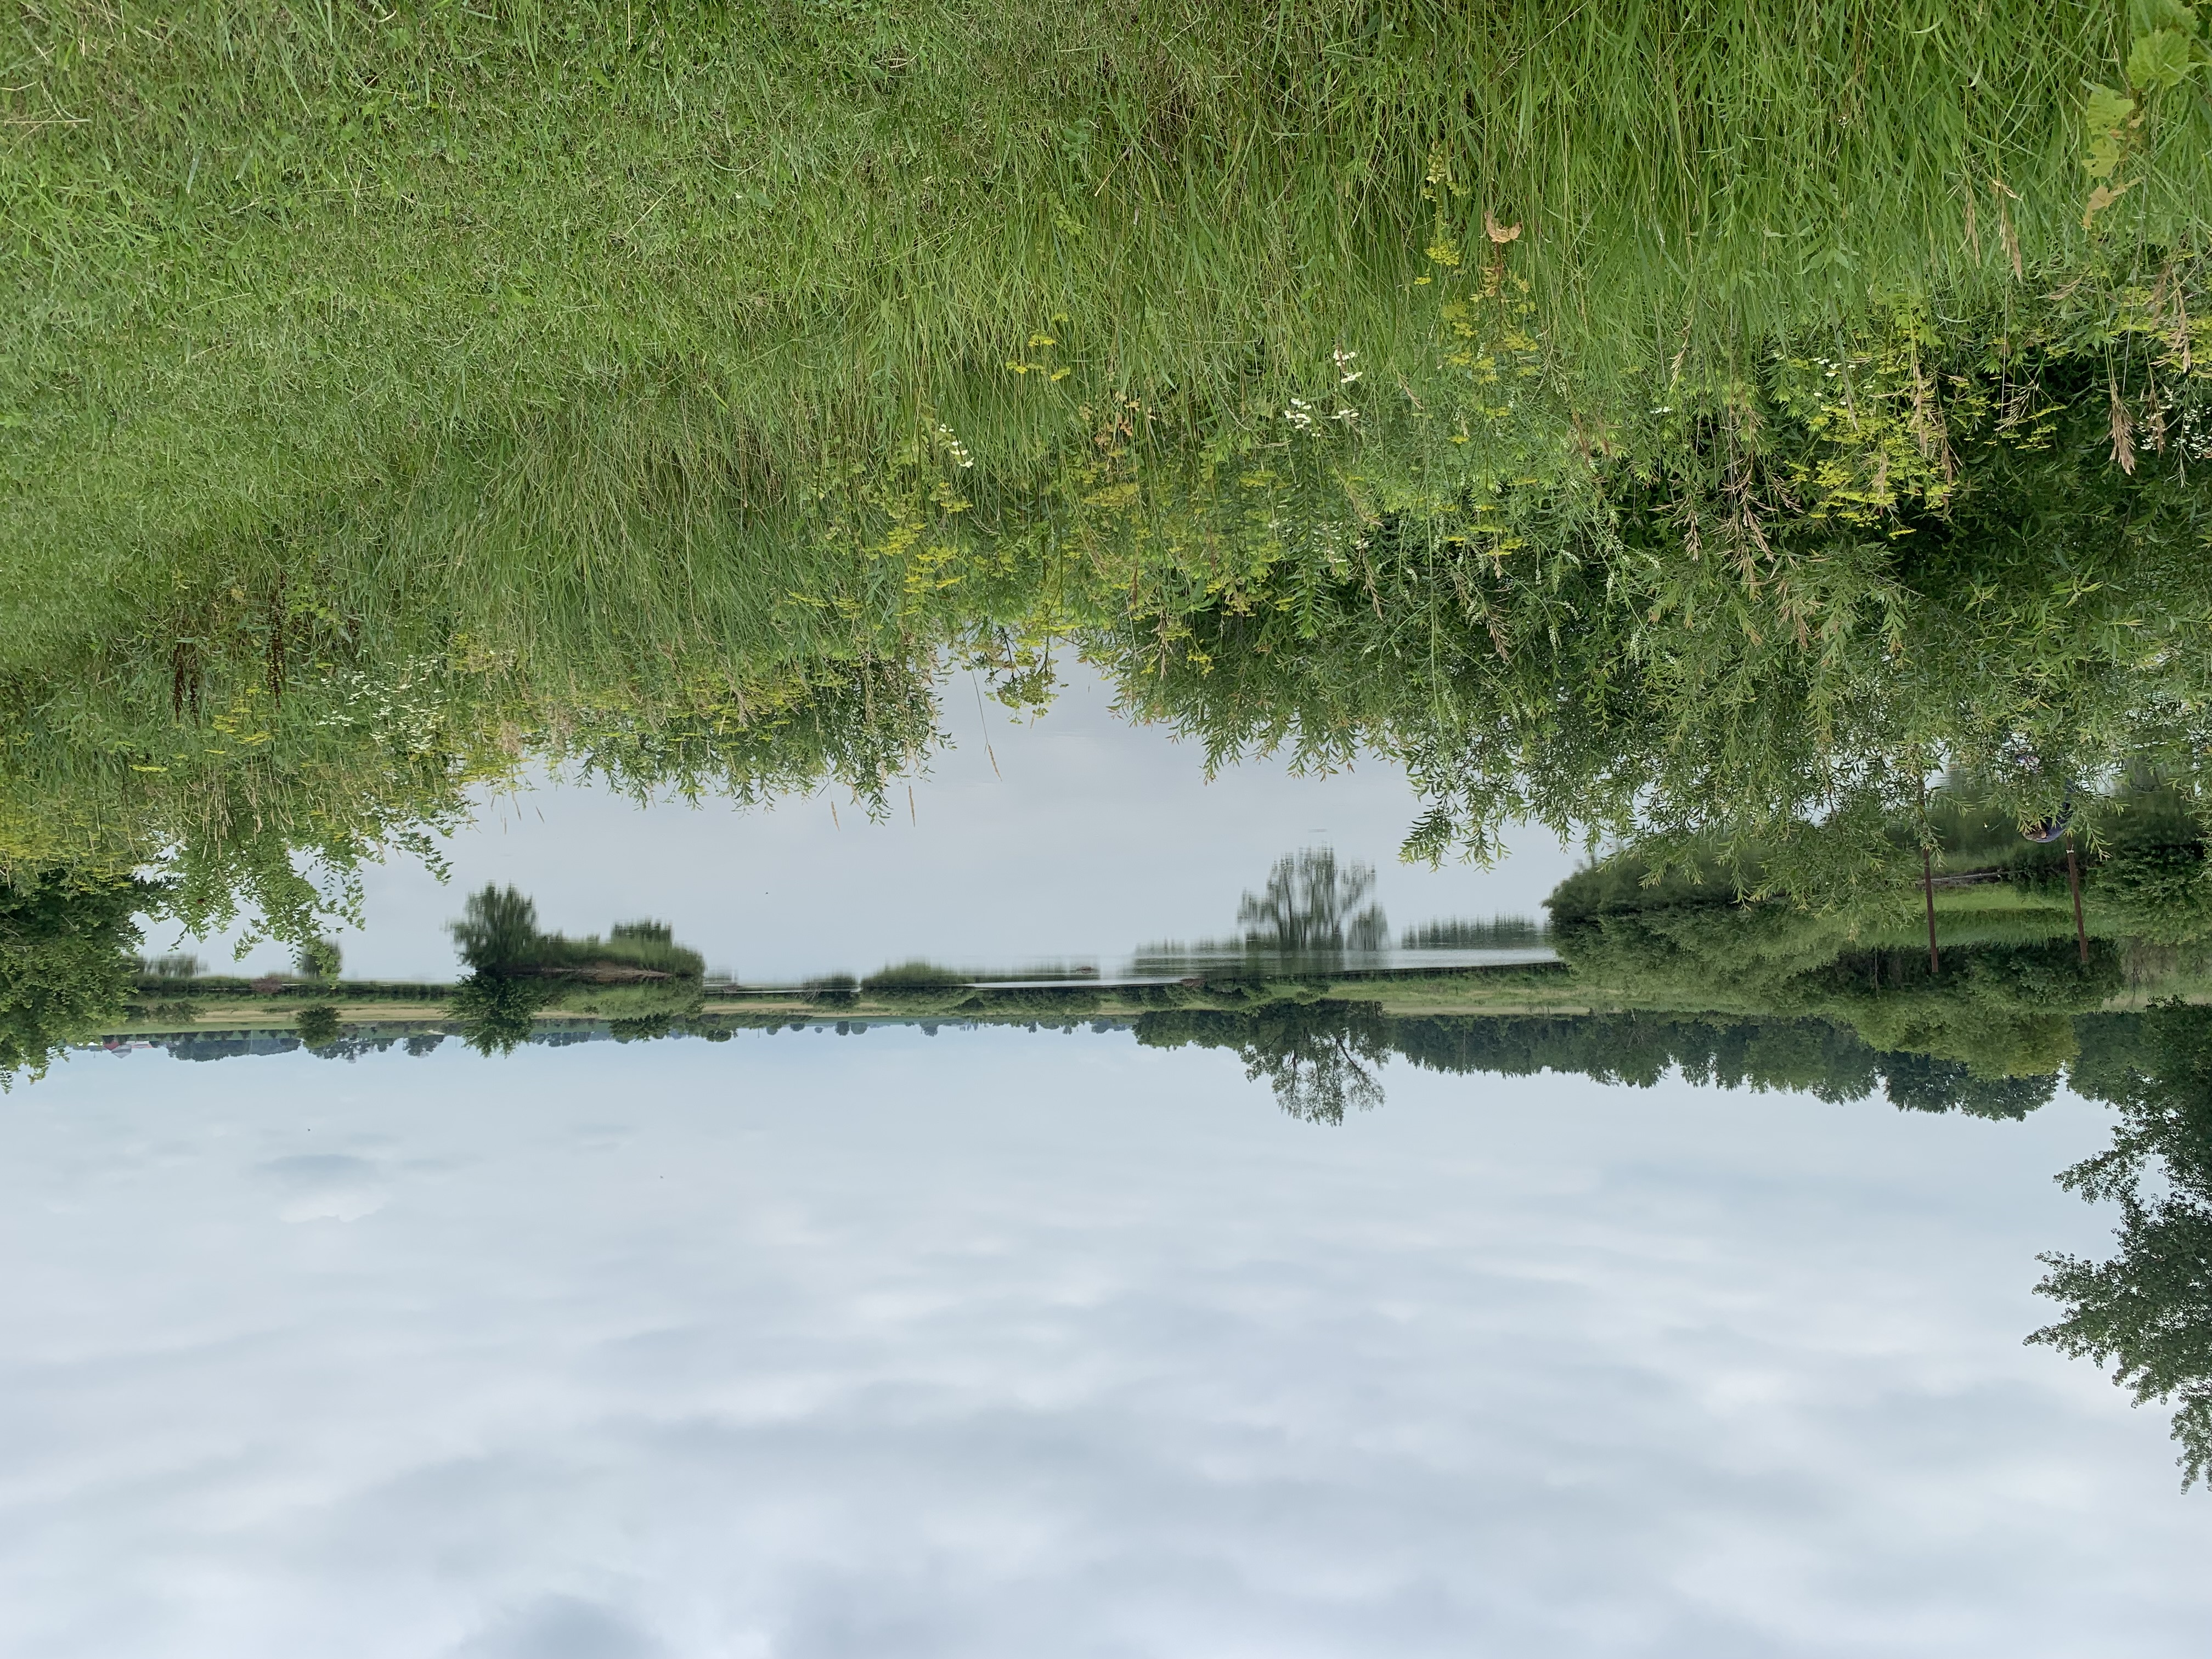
pixel 907 1349
pixel 327 1186
pixel 561 1627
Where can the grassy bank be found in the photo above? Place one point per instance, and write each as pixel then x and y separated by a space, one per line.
pixel 526 286
pixel 562 319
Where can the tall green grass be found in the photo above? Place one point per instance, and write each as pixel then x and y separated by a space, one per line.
pixel 530 292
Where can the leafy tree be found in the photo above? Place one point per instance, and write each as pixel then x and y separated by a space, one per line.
pixel 1318 1057
pixel 2148 1311
pixel 1683 647
pixel 319 959
pixel 1824 1058
pixel 1923 1082
pixel 318 1026
pixel 498 931
pixel 2002 1008
pixel 1310 906
pixel 69 962
pixel 2164 890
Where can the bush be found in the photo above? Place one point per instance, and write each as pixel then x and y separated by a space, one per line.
pixel 661 999
pixel 319 959
pixel 833 990
pixel 2164 891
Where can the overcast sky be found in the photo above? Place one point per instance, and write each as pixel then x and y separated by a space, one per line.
pixel 1073 834
pixel 1000 1345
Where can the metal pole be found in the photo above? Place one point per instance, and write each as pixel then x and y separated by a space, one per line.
pixel 1928 887
pixel 2073 882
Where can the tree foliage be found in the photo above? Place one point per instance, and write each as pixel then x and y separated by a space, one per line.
pixel 1320 1057
pixel 69 961
pixel 2147 1312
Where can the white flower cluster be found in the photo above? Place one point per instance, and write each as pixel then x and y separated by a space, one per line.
pixel 2192 431
pixel 953 446
pixel 1301 414
pixel 401 710
pixel 1345 376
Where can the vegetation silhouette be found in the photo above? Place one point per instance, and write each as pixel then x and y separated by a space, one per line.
pixel 638 978
pixel 497 932
pixel 1704 925
pixel 1323 1055
pixel 1320 1057
pixel 319 959
pixel 1824 1058
pixel 1494 933
pixel 1310 913
pixel 497 1013
pixel 833 990
pixel 1312 907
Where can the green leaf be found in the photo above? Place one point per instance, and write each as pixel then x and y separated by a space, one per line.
pixel 2148 16
pixel 2160 60
pixel 2107 111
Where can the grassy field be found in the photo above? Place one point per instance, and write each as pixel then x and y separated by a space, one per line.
pixel 561 318
pixel 266 251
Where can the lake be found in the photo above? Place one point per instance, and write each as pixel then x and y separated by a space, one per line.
pixel 861 827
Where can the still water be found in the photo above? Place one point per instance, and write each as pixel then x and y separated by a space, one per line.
pixel 1003 1343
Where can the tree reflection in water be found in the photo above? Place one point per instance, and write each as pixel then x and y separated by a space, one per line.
pixel 1311 906
pixel 2147 1312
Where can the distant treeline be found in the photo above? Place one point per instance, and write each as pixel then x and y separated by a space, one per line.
pixel 1499 934
pixel 1316 1053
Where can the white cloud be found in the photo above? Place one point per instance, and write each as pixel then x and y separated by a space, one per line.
pixel 810 1347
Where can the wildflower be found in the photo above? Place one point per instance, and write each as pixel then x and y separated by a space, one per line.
pixel 953 446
